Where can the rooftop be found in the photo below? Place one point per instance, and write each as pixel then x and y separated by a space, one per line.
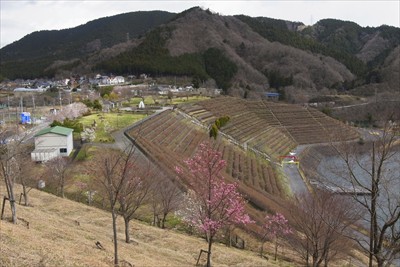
pixel 56 130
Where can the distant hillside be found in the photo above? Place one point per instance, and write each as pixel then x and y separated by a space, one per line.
pixel 92 36
pixel 29 56
pixel 190 36
pixel 242 55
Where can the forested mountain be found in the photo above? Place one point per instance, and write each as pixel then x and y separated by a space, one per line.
pixel 240 54
pixel 94 35
pixel 30 56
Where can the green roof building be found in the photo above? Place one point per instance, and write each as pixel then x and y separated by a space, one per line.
pixel 53 142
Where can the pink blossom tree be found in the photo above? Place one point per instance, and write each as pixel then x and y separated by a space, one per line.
pixel 71 111
pixel 275 226
pixel 211 203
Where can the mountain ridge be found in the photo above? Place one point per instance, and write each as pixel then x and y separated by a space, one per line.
pixel 331 54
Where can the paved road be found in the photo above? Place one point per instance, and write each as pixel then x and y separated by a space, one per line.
pixel 121 141
pixel 292 173
pixel 296 182
pixel 27 136
pixel 350 106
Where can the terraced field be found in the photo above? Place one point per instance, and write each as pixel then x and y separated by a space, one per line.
pixel 256 130
pixel 270 127
pixel 169 138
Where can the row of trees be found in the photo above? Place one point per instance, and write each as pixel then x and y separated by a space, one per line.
pixel 209 205
pixel 127 183
pixel 366 213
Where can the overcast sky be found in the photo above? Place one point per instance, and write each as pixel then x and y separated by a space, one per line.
pixel 19 18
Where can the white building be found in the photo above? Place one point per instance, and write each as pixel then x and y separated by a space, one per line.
pixel 141 105
pixel 52 142
pixel 117 80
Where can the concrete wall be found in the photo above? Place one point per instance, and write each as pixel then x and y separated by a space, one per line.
pixel 51 140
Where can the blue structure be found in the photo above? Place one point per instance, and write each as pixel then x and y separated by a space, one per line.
pixel 272 96
pixel 25 118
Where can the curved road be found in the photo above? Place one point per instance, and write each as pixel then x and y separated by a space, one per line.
pixel 296 182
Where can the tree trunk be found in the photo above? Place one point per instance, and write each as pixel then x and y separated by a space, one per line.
pixel 25 193
pixel 326 258
pixel 372 233
pixel 127 236
pixel 210 241
pixel 154 219
pixel 13 210
pixel 315 260
pixel 62 187
pixel 114 223
pixel 11 199
pixel 380 261
pixel 229 237
pixel 276 249
pixel 163 221
pixel 262 249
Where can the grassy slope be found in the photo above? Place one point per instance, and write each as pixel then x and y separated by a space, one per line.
pixel 55 239
pixel 116 121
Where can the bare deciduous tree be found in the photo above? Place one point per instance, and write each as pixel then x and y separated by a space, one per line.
pixel 165 198
pixel 58 170
pixel 106 170
pixel 26 176
pixel 135 191
pixel 371 172
pixel 322 222
pixel 119 178
pixel 9 152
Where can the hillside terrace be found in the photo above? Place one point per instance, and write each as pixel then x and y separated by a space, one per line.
pixel 257 130
pixel 169 137
pixel 271 128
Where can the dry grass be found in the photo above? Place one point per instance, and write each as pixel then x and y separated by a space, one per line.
pixel 64 232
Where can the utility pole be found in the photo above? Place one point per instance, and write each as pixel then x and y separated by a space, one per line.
pixel 21 105
pixel 33 103
pixel 59 96
pixel 8 105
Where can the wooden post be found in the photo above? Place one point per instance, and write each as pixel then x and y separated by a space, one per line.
pixel 201 252
pixel 20 197
pixel 2 208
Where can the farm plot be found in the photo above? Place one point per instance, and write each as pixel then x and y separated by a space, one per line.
pixel 250 170
pixel 334 126
pixel 177 138
pixel 248 121
pixel 168 144
pixel 270 128
pixel 150 125
pixel 308 126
